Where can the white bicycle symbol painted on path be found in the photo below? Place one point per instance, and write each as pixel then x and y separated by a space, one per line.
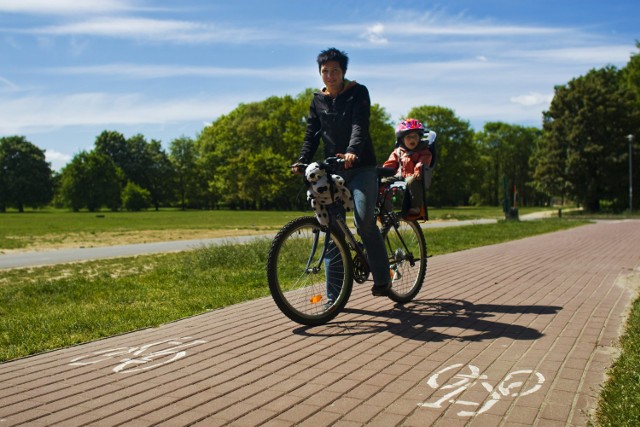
pixel 510 386
pixel 140 358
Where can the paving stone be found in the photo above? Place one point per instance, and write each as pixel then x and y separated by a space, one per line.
pixel 520 333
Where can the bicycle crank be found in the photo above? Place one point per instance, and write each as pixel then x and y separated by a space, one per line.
pixel 360 270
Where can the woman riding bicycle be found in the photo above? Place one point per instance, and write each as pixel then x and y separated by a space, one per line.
pixel 339 113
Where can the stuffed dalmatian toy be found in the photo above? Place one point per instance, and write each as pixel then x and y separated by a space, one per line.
pixel 319 192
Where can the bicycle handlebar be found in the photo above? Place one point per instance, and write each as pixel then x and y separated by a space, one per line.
pixel 333 163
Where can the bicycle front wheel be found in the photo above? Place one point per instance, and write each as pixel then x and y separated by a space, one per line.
pixel 309 270
pixel 407 251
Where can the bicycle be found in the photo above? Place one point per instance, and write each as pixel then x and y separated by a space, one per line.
pixel 311 267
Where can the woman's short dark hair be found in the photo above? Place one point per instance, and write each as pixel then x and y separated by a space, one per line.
pixel 333 54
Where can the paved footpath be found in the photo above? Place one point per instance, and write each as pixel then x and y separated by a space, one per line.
pixel 515 334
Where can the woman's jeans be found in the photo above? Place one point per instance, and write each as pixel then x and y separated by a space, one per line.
pixel 363 184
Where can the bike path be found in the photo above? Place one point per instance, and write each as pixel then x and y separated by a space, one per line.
pixel 514 334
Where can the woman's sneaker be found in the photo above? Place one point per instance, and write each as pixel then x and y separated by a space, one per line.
pixel 381 290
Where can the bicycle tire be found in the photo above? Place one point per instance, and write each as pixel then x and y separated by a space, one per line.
pixel 407 249
pixel 298 285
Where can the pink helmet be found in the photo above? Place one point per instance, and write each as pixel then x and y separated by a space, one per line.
pixel 408 125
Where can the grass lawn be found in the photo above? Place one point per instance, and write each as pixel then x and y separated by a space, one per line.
pixel 619 402
pixel 53 228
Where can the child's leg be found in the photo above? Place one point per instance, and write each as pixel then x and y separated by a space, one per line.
pixel 417 194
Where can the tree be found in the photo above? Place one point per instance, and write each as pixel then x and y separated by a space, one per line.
pixel 135 198
pixel 264 138
pixel 632 79
pixel 158 174
pixel 188 183
pixel 506 152
pixel 583 152
pixel 143 163
pixel 382 132
pixel 25 175
pixel 91 180
pixel 114 145
pixel 237 149
pixel 455 177
pixel 631 74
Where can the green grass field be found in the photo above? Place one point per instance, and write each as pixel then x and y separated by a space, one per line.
pixel 19 230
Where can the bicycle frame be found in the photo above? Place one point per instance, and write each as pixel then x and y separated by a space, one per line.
pixel 388 221
pixel 337 218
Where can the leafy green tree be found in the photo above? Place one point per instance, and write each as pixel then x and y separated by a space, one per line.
pixel 382 132
pixel 631 75
pixel 189 185
pixel 135 198
pixel 25 175
pixel 143 163
pixel 506 152
pixel 91 180
pixel 456 175
pixel 158 175
pixel 252 147
pixel 248 192
pixel 584 147
pixel 239 148
pixel 114 145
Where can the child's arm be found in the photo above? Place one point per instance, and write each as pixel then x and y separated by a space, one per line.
pixel 392 161
pixel 424 159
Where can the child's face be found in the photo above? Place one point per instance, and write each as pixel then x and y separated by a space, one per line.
pixel 411 140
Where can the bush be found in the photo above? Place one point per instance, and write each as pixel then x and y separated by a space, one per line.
pixel 135 198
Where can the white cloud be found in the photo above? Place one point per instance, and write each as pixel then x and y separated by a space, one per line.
pixel 532 99
pixel 155 29
pixel 65 7
pixel 469 29
pixel 56 157
pixel 374 34
pixel 7 85
pixel 399 25
pixel 121 27
pixel 39 113
pixel 598 54
pixel 167 71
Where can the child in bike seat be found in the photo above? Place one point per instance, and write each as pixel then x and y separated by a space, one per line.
pixel 408 158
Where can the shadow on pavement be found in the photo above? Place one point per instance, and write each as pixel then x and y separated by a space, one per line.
pixel 435 320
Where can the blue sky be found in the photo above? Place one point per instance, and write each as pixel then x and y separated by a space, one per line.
pixel 70 69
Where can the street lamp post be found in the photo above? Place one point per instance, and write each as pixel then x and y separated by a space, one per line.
pixel 630 138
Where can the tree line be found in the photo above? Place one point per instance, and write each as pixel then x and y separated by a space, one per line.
pixel 241 160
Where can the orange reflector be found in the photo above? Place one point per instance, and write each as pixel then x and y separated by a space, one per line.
pixel 316 299
pixel 391 273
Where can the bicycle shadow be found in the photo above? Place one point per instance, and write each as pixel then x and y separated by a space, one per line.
pixel 436 320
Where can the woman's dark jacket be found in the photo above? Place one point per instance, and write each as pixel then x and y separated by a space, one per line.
pixel 343 124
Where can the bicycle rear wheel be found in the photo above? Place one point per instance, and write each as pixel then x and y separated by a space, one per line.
pixel 407 251
pixel 309 272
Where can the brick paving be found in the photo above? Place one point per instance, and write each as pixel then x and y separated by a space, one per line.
pixel 515 334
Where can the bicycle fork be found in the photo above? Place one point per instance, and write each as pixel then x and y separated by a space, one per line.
pixel 400 254
pixel 333 266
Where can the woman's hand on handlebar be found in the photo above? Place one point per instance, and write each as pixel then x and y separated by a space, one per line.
pixel 298 168
pixel 349 159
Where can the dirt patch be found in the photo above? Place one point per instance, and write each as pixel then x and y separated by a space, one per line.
pixel 92 240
